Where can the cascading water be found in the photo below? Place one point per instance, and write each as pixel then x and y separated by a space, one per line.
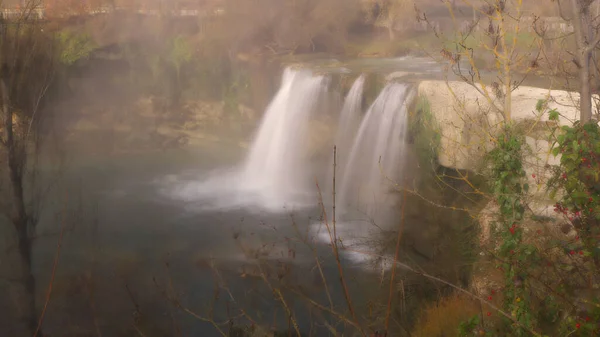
pixel 275 174
pixel 349 121
pixel 274 169
pixel 375 157
pixel 373 164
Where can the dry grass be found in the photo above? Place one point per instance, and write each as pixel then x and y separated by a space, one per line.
pixel 444 317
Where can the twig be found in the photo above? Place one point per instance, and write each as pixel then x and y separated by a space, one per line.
pixel 333 194
pixel 91 288
pixel 53 275
pixel 413 192
pixel 319 267
pixel 437 279
pixel 331 311
pixel 336 254
pixel 203 319
pixel 389 307
pixel 170 295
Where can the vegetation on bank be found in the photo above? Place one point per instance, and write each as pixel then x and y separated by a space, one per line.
pixel 526 284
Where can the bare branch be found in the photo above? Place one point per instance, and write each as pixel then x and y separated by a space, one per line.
pixel 593 45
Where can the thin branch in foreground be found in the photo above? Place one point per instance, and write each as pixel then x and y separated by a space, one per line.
pixel 334 246
pixel 54 267
pixel 389 306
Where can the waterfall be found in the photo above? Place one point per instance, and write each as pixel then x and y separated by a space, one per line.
pixel 276 174
pixel 349 120
pixel 374 163
pixel 274 170
pixel 375 159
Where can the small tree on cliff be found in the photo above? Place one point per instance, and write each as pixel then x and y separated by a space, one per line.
pixel 27 63
pixel 494 33
pixel 533 270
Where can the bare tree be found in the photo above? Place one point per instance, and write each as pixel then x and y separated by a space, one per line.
pixel 494 34
pixel 391 12
pixel 27 67
pixel 587 38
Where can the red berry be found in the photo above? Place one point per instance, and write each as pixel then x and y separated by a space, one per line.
pixel 581 252
pixel 572 252
pixel 578 325
pixel 493 292
pixel 489 298
pixel 533 175
pixel 489 314
pixel 587 319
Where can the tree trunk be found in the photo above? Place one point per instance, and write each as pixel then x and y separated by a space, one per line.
pixel 585 94
pixel 23 292
pixel 581 20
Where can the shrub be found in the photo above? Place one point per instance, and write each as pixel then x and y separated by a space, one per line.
pixel 74 46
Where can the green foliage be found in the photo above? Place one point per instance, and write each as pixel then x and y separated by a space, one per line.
pixel 467 328
pixel 539 289
pixel 233 92
pixel 74 46
pixel 509 189
pixel 180 52
pixel 425 132
pixel 578 178
pixel 507 175
pixel 514 256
